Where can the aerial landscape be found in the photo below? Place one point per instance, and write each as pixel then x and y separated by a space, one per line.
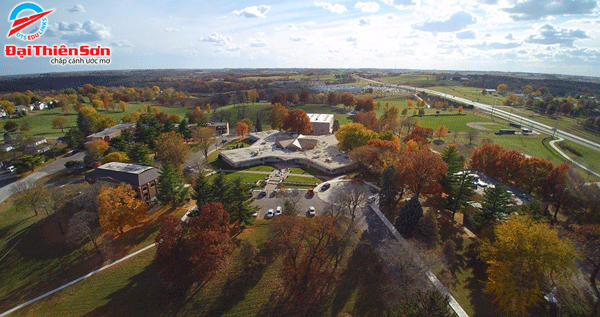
pixel 309 158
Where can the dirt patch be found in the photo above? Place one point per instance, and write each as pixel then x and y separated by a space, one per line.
pixel 479 125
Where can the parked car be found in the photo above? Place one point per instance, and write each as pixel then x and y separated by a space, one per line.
pixel 278 211
pixel 269 214
pixel 325 187
pixel 255 214
pixel 371 199
pixel 374 190
pixel 193 213
pixel 311 211
pixel 11 169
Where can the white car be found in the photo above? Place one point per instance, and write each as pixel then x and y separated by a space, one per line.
pixel 269 214
pixel 371 199
pixel 278 211
pixel 311 211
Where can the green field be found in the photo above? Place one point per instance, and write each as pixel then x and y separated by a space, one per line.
pixel 41 120
pixel 302 179
pixel 413 78
pixel 471 93
pixel 453 122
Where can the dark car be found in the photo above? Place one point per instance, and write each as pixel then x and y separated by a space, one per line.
pixel 374 190
pixel 325 187
pixel 193 213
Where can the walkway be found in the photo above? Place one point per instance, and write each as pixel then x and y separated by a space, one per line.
pixel 557 149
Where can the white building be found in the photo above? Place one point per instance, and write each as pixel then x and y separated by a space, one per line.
pixel 322 123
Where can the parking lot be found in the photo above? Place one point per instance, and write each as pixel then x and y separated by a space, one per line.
pixel 303 201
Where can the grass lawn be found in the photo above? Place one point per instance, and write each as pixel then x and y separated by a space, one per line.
pixel 262 168
pixel 581 154
pixel 302 179
pixel 307 170
pixel 414 78
pixel 246 177
pixel 41 120
pixel 452 122
pixel 471 93
pixel 132 288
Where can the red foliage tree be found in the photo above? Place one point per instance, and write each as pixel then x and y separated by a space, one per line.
pixel 532 172
pixel 486 158
pixel 348 99
pixel 365 104
pixel 241 128
pixel 194 249
pixel 559 188
pixel 509 166
pixel 368 119
pixel 420 171
pixel 297 121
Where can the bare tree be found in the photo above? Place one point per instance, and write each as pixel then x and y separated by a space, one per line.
pixel 84 226
pixel 29 195
pixel 472 135
pixel 348 198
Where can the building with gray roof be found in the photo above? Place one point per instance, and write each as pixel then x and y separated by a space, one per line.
pixel 143 178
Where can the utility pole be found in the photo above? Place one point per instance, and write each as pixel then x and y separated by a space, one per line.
pixel 492 115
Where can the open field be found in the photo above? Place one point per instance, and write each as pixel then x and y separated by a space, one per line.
pixel 302 179
pixel 41 120
pixel 412 78
pixel 453 122
pixel 471 93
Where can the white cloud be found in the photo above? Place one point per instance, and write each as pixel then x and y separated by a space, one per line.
pixel 77 8
pixel 254 11
pixel 455 22
pixel 367 6
pixel 537 9
pixel 76 32
pixel 122 43
pixel 172 30
pixel 351 39
pixel 309 24
pixel 335 8
pixel 217 38
pixel 465 35
pixel 256 42
pixel 399 3
pixel 233 48
pixel 364 21
pixel 496 46
pixel 549 35
pixel 297 39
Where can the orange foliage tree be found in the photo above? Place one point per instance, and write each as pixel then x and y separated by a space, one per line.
pixel 194 249
pixel 486 158
pixel 297 121
pixel 420 171
pixel 377 154
pixel 278 116
pixel 241 128
pixel 560 187
pixel 171 148
pixel 532 172
pixel 440 132
pixel 118 207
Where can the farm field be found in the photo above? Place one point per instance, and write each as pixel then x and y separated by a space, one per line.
pixel 41 120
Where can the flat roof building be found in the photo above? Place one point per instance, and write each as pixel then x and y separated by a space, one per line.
pixel 320 152
pixel 109 133
pixel 322 123
pixel 143 178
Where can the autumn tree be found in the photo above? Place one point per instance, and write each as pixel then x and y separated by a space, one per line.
pixel 115 157
pixel 123 105
pixel 278 116
pixel 241 129
pixel 7 106
pixel 559 188
pixel 509 166
pixel 118 207
pixel 195 249
pixel 312 249
pixel 377 154
pixel 204 137
pixel 29 195
pixel 502 88
pixel 587 242
pixel 171 148
pixel 297 121
pixel 348 100
pixel 252 95
pixel 59 122
pixel 368 119
pixel 422 170
pixel 440 132
pixel 171 186
pixel 353 135
pixel 389 120
pixel 524 258
pixel 486 158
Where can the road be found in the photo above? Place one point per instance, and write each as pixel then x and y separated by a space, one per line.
pixel 53 167
pixel 540 127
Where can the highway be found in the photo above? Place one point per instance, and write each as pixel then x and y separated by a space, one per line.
pixel 539 127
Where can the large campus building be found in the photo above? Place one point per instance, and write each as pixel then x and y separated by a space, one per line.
pixel 276 147
pixel 143 179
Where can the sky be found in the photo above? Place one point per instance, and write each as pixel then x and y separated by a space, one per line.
pixel 538 36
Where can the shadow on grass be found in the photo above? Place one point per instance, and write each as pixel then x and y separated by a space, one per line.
pixel 143 295
pixel 363 275
pixel 236 287
pixel 482 303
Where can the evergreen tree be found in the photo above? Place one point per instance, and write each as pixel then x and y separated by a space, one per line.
pixel 388 193
pixel 168 126
pixel 453 159
pixel 75 138
pixel 220 188
pixel 171 186
pixel 461 189
pixel 127 136
pixel 496 203
pixel 336 125
pixel 428 230
pixel 119 144
pixel 202 191
pixel 238 202
pixel 258 125
pixel 184 129
pixel 409 216
pixel 138 153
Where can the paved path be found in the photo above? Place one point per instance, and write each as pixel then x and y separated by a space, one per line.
pixel 557 149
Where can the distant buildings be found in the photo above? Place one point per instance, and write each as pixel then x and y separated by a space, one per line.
pixel 143 179
pixel 220 127
pixel 109 133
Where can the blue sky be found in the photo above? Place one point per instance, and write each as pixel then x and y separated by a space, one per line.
pixel 547 36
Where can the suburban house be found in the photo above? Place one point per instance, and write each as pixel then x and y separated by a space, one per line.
pixel 7 147
pixel 109 133
pixel 40 105
pixel 220 127
pixel 322 123
pixel 143 178
pixel 2 113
